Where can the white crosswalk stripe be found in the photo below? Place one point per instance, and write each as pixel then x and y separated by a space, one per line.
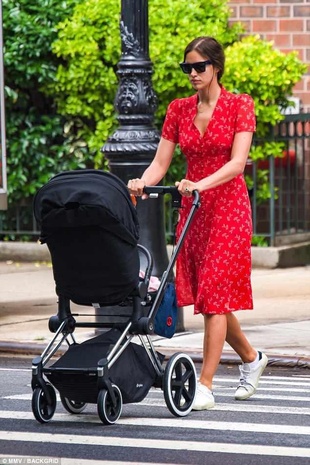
pixel 158 444
pixel 271 402
pixel 174 423
pixel 227 407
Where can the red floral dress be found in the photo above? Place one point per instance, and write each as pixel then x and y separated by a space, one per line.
pixel 214 264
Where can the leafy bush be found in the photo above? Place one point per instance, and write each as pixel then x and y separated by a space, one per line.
pixel 254 67
pixel 36 143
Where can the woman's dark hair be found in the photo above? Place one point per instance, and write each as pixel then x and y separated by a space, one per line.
pixel 211 49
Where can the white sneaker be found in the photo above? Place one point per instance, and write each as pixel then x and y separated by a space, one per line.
pixel 249 378
pixel 204 398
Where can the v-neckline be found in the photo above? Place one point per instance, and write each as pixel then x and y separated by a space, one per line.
pixel 202 135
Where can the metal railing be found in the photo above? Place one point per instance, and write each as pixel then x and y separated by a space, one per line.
pixel 18 223
pixel 284 218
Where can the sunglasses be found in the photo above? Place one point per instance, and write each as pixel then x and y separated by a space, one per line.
pixel 199 66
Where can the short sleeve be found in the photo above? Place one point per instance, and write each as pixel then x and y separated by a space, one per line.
pixel 245 118
pixel 170 130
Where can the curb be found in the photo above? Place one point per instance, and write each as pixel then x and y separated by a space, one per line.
pixel 228 358
pixel 24 252
pixel 285 256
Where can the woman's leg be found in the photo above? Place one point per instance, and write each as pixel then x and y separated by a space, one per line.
pixel 237 340
pixel 214 338
pixel 219 328
pixel 254 362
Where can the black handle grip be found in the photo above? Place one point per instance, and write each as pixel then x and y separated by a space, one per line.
pixel 155 191
pixel 161 190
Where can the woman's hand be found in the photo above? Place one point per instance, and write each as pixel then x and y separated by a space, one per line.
pixel 186 187
pixel 136 186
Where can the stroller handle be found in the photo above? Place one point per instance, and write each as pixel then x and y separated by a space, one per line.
pixel 155 191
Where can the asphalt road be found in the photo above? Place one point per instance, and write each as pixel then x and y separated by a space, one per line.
pixel 271 428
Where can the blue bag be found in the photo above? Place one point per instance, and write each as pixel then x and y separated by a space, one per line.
pixel 165 321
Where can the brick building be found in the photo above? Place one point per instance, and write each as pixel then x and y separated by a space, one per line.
pixel 287 24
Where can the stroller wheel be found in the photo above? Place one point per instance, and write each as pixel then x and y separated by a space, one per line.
pixel 71 405
pixel 43 410
pixel 179 384
pixel 109 413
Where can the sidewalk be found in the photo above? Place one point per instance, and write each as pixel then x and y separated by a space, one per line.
pixel 279 325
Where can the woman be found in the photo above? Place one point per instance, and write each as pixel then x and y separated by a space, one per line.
pixel 214 129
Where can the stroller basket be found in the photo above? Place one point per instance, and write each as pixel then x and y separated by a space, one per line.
pixel 91 228
pixel 133 373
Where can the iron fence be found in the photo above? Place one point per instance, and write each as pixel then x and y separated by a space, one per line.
pixel 284 218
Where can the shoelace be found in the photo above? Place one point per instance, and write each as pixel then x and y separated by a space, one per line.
pixel 243 378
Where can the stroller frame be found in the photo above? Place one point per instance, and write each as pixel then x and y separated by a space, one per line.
pixel 177 379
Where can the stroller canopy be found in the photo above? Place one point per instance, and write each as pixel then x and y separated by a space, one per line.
pixel 85 198
pixel 91 228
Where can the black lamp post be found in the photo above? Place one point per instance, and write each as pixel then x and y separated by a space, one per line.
pixel 131 148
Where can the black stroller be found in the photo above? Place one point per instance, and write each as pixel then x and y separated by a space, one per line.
pixel 90 226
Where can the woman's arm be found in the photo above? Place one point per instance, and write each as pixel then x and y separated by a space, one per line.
pixel 236 164
pixel 157 169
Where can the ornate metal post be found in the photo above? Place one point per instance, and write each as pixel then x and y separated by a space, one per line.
pixel 131 148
